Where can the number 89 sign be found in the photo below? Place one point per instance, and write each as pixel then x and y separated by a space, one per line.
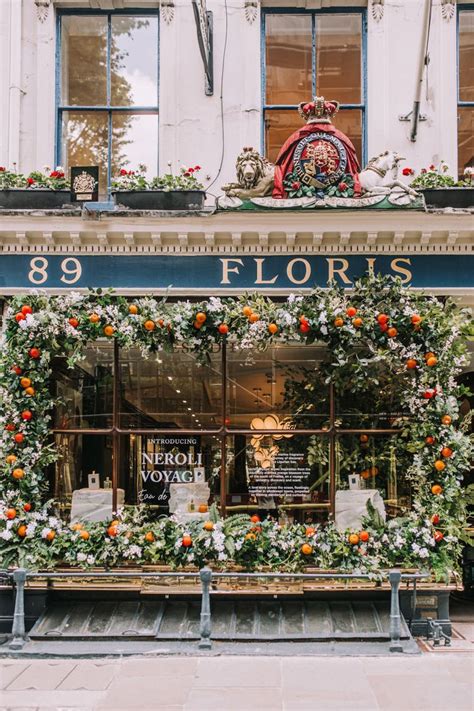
pixel 70 267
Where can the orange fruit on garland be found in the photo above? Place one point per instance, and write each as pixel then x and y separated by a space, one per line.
pixel 351 311
pixel 51 535
pixel 382 319
pixel 436 489
pixel 223 328
pixel 438 536
pixel 30 391
pixel 11 459
pixel 255 518
pixel 273 328
pixel 447 452
pixel 430 439
pixel 149 537
pixel 208 526
pixel 25 382
pixel 85 535
pixel 446 419
pixel 392 332
pixel 338 322
pixel 19 437
pixel 365 474
pixel 254 317
pixel 364 536
pixel 203 508
pixel 108 331
pixel 201 317
pixel 247 311
pixel 310 531
pixel 187 541
pixel 431 361
pixel 357 322
pixel 73 322
pixel 112 531
pixel 18 473
pixel 411 363
pixel 94 318
pixel 250 537
pixel 10 514
pixel 76 526
pixel 439 465
pixel 149 325
pixel 429 355
pixel 354 539
pixel 306 549
pixel 21 530
pixel 415 319
pixel 364 438
pixel 133 309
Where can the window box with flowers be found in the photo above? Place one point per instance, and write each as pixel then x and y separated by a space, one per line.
pixel 441 190
pixel 40 190
pixel 131 189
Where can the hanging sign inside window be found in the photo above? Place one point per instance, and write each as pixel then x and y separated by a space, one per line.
pixel 165 461
pixel 288 475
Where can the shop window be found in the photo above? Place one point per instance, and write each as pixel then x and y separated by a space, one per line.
pixel 108 92
pixel 253 431
pixel 308 54
pixel 465 90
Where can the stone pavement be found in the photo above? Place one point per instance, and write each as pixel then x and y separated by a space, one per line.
pixel 420 683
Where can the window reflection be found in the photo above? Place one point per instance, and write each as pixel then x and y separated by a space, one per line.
pixel 288 58
pixel 84 60
pixel 134 61
pixel 339 57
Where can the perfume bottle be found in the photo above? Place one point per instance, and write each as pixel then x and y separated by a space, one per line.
pixel 191 506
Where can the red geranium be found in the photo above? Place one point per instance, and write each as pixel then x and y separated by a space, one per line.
pixel 123 171
pixel 408 171
pixel 2 169
pixel 423 171
pixel 30 181
pixel 190 170
pixel 197 167
pixel 432 167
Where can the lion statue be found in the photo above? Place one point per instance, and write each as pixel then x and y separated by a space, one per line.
pixel 254 176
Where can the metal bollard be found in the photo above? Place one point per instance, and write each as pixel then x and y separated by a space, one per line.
pixel 205 623
pixel 395 619
pixel 18 627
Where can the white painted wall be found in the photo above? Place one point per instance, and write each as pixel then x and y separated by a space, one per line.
pixel 190 122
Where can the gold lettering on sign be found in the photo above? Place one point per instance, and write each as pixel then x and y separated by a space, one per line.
pixel 371 265
pixel 307 271
pixel 394 264
pixel 340 271
pixel 226 269
pixel 260 279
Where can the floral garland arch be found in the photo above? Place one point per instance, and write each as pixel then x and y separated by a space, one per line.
pixel 419 339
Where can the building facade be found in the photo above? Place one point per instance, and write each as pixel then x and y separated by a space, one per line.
pixel 118 84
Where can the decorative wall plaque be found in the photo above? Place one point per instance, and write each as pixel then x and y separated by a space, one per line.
pixel 85 183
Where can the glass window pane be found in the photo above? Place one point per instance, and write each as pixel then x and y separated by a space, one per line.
pixel 171 390
pixel 84 392
pixel 279 125
pixel 79 456
pixel 84 60
pixel 177 474
pixel 85 142
pixel 338 57
pixel 287 479
pixel 135 142
pixel 466 55
pixel 349 121
pixel 288 59
pixel 465 139
pixel 380 465
pixel 134 61
pixel 268 390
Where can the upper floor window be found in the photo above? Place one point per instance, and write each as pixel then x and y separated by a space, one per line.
pixel 313 54
pixel 466 91
pixel 108 92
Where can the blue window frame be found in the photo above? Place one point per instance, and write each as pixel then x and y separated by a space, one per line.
pixel 465 20
pixel 309 53
pixel 107 91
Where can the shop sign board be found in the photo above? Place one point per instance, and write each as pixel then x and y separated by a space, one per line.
pixel 208 273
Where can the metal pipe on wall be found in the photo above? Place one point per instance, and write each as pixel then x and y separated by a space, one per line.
pixel 422 63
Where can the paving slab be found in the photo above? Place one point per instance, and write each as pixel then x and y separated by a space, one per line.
pixel 147 692
pixel 234 699
pixel 9 672
pixel 238 672
pixel 89 676
pixel 164 666
pixel 423 693
pixel 53 700
pixel 42 675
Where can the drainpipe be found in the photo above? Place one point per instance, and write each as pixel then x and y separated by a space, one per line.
pixel 422 63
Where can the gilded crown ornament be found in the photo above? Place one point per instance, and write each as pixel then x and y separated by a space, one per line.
pixel 319 110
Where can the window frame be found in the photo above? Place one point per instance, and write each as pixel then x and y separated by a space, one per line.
pixel 459 103
pixel 362 107
pixel 108 108
pixel 224 433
